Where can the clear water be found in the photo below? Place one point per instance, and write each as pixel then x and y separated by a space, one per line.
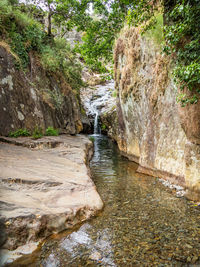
pixel 143 222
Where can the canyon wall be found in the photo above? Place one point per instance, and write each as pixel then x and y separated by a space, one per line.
pixel 34 97
pixel 153 129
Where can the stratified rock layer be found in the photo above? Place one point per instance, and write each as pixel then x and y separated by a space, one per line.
pixel 152 128
pixel 35 97
pixel 45 187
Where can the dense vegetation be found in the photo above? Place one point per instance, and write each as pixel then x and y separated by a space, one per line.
pixel 23 27
pixel 107 20
pixel 182 36
pixel 24 33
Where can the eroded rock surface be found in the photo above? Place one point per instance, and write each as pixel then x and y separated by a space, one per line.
pixel 35 98
pixel 46 189
pixel 152 129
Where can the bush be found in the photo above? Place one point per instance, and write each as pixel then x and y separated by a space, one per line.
pixel 37 133
pixel 24 34
pixel 156 32
pixel 21 30
pixel 58 56
pixel 23 41
pixel 91 139
pixel 50 59
pixel 5 8
pixel 50 131
pixel 182 39
pixel 20 132
pixel 23 20
pixel 103 127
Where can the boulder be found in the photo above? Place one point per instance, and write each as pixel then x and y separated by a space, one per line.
pixel 45 187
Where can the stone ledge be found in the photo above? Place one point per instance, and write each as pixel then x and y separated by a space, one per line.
pixel 178 180
pixel 44 190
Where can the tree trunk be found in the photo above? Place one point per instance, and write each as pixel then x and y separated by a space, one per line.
pixel 49 20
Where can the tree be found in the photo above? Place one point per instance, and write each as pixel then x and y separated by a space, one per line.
pixel 65 14
pixel 101 31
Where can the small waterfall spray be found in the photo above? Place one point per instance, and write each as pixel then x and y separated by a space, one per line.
pixel 97 101
pixel 97 129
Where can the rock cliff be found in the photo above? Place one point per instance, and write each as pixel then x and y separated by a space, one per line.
pixel 152 129
pixel 35 97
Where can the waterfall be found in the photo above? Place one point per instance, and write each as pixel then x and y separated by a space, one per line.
pixel 97 129
pixel 98 101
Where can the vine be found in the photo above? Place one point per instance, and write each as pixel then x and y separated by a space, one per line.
pixel 182 41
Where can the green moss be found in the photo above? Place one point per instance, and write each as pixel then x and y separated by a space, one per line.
pixel 83 111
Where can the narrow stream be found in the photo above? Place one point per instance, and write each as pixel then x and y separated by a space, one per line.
pixel 143 223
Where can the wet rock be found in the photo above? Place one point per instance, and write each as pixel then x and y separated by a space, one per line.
pixel 87 125
pixel 100 99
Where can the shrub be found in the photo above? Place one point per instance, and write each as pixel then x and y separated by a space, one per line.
pixel 103 127
pixel 91 139
pixel 37 133
pixel 24 34
pixel 5 8
pixel 19 132
pixel 156 32
pixel 50 131
pixel 23 20
pixel 20 30
pixel 182 40
pixel 22 42
pixel 58 56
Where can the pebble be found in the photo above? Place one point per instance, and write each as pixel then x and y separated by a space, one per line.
pixel 95 256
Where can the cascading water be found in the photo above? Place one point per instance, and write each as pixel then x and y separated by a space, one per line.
pixel 97 129
pixel 97 101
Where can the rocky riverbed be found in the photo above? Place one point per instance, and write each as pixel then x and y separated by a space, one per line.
pixel 144 223
pixel 45 188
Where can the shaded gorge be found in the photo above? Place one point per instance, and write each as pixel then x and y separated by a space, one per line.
pixel 143 223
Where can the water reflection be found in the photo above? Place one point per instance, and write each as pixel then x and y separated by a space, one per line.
pixel 143 223
pixel 99 246
pixel 51 261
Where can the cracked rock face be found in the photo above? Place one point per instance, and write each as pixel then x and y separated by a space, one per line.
pixel 35 98
pixel 152 129
pixel 44 190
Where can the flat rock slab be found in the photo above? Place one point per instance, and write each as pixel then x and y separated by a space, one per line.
pixel 45 187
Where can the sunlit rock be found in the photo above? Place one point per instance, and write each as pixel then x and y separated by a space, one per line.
pixel 152 128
